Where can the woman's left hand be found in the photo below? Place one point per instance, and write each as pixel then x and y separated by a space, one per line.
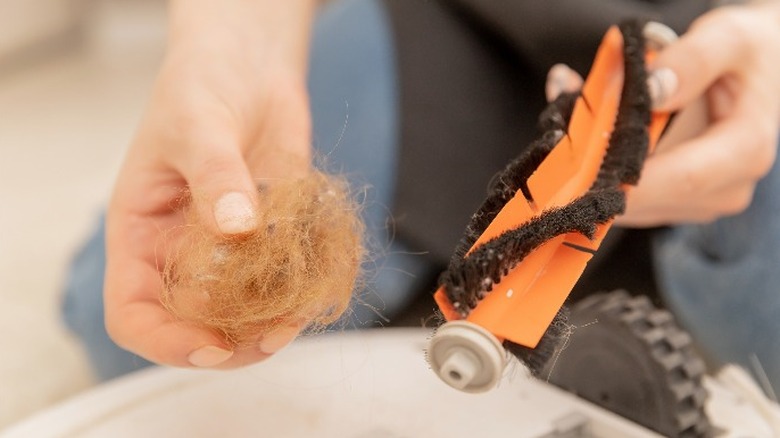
pixel 732 56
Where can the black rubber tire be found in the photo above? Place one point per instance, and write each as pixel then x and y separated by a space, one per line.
pixel 632 359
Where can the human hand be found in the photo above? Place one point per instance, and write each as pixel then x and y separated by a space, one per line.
pixel 732 57
pixel 228 109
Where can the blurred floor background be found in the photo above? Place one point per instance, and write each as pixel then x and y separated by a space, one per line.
pixel 74 76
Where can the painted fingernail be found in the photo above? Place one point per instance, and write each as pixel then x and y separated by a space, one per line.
pixel 278 339
pixel 662 84
pixel 210 356
pixel 234 213
pixel 557 80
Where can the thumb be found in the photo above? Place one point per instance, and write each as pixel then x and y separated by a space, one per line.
pixel 223 191
pixel 686 68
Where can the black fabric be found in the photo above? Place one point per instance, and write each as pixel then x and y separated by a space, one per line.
pixel 463 96
pixel 552 31
pixel 472 75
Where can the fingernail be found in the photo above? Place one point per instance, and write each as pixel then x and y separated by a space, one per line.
pixel 557 79
pixel 234 213
pixel 278 339
pixel 210 356
pixel 662 84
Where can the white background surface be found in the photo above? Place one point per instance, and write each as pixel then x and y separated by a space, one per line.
pixel 65 119
pixel 370 384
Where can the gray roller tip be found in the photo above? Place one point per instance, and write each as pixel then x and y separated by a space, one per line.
pixel 466 357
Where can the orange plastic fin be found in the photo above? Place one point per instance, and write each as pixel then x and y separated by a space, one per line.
pixel 569 171
pixel 523 317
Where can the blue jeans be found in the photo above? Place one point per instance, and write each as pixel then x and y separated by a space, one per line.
pixel 720 279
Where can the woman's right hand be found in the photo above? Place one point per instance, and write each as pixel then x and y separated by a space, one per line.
pixel 228 110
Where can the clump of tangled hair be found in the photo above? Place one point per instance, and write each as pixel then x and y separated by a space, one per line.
pixel 299 266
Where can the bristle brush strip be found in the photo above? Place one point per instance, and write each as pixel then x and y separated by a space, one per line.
pixel 628 145
pixel 557 115
pixel 467 280
pixel 505 184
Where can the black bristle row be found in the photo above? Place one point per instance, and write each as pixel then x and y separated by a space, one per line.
pixel 553 121
pixel 629 143
pixel 556 116
pixel 468 279
pixel 516 175
pixel 504 186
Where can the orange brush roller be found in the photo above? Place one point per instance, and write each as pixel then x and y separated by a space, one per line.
pixel 575 192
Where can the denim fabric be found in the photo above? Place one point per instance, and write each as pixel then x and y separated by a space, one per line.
pixel 82 309
pixel 722 280
pixel 354 98
pixel 354 109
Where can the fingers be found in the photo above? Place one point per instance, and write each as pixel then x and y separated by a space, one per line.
pixel 715 45
pixel 141 221
pixel 272 342
pixel 707 177
pixel 561 79
pixel 147 329
pixel 136 321
pixel 223 191
pixel 218 122
pixel 731 56
pixel 727 202
pixel 689 123
pixel 223 164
